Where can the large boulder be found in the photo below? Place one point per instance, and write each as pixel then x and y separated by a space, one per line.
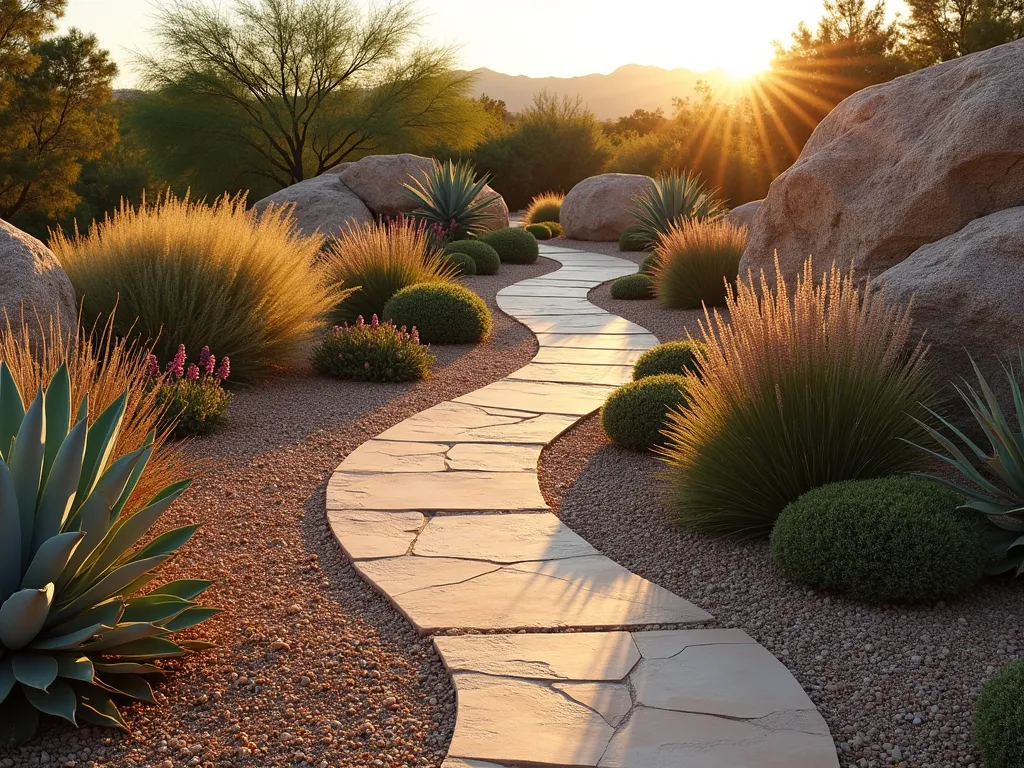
pixel 743 215
pixel 496 212
pixel 899 165
pixel 320 205
pixel 599 208
pixel 33 285
pixel 378 180
pixel 968 296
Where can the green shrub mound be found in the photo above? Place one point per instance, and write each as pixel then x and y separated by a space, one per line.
pixel 999 719
pixel 483 255
pixel 514 245
pixel 635 413
pixel 671 357
pixel 442 312
pixel 463 262
pixel 648 264
pixel 194 407
pixel 372 351
pixel 638 286
pixel 889 540
pixel 634 238
pixel 555 227
pixel 540 231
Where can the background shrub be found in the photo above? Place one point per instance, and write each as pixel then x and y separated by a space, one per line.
pixel 197 274
pixel 999 718
pixel 444 313
pixel 462 262
pixel 195 401
pixel 555 227
pixel 638 286
pixel 484 256
pixel 635 414
pixel 695 261
pixel 372 352
pixel 888 540
pixel 544 207
pixel 540 231
pixel 514 245
pixel 634 238
pixel 793 396
pixel 377 261
pixel 678 357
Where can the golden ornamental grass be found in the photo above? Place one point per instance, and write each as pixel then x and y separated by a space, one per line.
pixel 379 260
pixel 102 366
pixel 697 262
pixel 184 272
pixel 546 206
pixel 796 389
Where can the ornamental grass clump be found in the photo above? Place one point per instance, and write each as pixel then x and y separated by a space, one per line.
pixel 379 260
pixel 74 632
pixel 195 401
pixel 696 263
pixel 544 207
pixel 797 389
pixel 182 271
pixel 635 238
pixel 373 351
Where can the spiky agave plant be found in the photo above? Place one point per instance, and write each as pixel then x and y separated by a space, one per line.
pixel 674 198
pixel 451 198
pixel 71 637
pixel 999 497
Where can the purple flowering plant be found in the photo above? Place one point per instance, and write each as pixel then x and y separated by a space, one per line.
pixel 196 402
pixel 373 351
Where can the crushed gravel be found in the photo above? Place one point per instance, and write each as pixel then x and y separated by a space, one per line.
pixel 313 667
pixel 895 684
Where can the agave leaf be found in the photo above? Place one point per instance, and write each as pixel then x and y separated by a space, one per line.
pixel 165 544
pixel 58 700
pixel 65 642
pixel 190 618
pixel 150 648
pixel 61 485
pixel 50 558
pixel 83 409
pixel 110 585
pixel 123 634
pixel 7 680
pixel 100 445
pixel 26 465
pixel 22 616
pixel 36 670
pixel 133 478
pixel 988 508
pixel 196 645
pixel 72 667
pixel 12 411
pixel 186 589
pixel 97 708
pixel 133 686
pixel 18 722
pixel 154 608
pixel 128 668
pixel 57 402
pixel 10 535
pixel 106 614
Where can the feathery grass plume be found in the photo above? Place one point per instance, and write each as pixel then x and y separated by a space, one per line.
pixel 795 391
pixel 695 261
pixel 379 260
pixel 184 272
pixel 544 207
pixel 674 198
pixel 103 366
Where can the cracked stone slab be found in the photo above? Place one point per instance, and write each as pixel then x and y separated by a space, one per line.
pixel 580 592
pixel 434 491
pixel 732 680
pixel 542 397
pixel 494 457
pixel 610 700
pixel 612 375
pixel 577 356
pixel 582 324
pixel 500 538
pixel 389 456
pixel 365 534
pixel 664 644
pixel 598 340
pixel 659 739
pixel 464 423
pixel 403 575
pixel 590 656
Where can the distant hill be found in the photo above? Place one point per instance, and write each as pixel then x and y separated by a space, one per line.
pixel 630 87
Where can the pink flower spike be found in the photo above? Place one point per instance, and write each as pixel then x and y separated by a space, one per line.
pixel 211 363
pixel 374 322
pixel 152 365
pixel 225 368
pixel 177 365
pixel 366 366
pixel 193 372
pixel 204 356
pixel 359 322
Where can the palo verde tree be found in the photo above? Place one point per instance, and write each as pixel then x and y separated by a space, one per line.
pixel 269 92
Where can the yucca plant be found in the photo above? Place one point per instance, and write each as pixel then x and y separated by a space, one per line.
pixel 696 263
pixel 450 198
pixel 999 496
pixel 673 199
pixel 72 636
pixel 795 390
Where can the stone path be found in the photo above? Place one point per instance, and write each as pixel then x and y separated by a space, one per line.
pixel 443 514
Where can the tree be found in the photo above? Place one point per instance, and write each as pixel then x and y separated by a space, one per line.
pixel 641 122
pixel 276 91
pixel 940 30
pixel 23 23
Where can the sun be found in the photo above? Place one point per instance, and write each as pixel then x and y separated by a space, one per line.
pixel 748 64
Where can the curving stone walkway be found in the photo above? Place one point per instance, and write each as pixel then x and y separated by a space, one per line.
pixel 443 514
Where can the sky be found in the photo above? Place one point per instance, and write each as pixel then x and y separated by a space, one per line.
pixel 541 38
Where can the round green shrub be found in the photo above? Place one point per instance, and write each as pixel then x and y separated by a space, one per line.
pixel 999 718
pixel 671 357
pixel 636 286
pixel 634 414
pixel 541 231
pixel 485 257
pixel 443 313
pixel 634 238
pixel 555 227
pixel 513 244
pixel 647 265
pixel 889 540
pixel 463 262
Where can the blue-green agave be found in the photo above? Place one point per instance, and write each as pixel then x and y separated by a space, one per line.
pixel 451 199
pixel 72 639
pixel 999 496
pixel 673 199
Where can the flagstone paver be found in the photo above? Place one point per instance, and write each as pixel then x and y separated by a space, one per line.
pixel 444 515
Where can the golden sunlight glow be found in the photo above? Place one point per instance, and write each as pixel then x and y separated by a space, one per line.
pixel 746 64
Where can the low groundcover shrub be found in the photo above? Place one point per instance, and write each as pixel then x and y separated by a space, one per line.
pixel 540 231
pixel 484 256
pixel 634 414
pixel 443 313
pixel 671 357
pixel 372 351
pixel 638 286
pixel 999 718
pixel 514 245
